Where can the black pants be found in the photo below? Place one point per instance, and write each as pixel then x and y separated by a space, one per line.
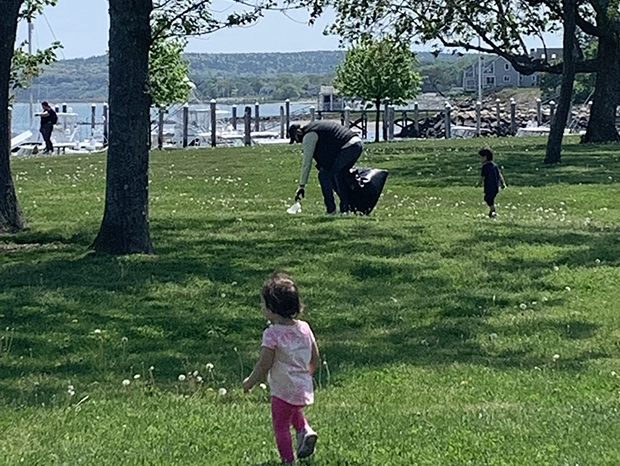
pixel 46 132
pixel 333 179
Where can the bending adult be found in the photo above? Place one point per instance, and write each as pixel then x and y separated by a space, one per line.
pixel 335 150
pixel 48 120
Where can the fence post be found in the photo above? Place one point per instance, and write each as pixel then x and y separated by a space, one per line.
pixel 234 117
pixel 478 118
pixel 93 119
pixel 213 103
pixel 287 110
pixel 538 112
pixel 185 123
pixel 385 117
pixel 256 117
pixel 513 116
pixel 448 110
pixel 416 118
pixel 347 117
pixel 312 111
pixel 10 122
pixel 105 125
pixel 391 117
pixel 551 111
pixel 247 120
pixel 282 128
pixel 160 129
pixel 498 114
pixel 364 124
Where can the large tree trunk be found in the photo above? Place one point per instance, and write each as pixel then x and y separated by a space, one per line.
pixel 125 225
pixel 602 123
pixel 11 218
pixel 554 143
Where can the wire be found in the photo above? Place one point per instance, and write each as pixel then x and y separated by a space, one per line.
pixel 53 35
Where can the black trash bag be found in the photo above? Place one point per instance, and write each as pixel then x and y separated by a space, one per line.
pixel 365 186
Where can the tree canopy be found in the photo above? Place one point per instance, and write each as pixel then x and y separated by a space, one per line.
pixel 376 69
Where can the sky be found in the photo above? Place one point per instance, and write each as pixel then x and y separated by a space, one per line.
pixel 82 27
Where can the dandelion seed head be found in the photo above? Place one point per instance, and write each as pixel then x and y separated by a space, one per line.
pixel 523 306
pixel 136 377
pixel 97 331
pixel 195 373
pixel 181 377
pixel 124 339
pixel 126 382
pixel 222 392
pixel 263 386
pixel 556 357
pixel 567 288
pixel 209 366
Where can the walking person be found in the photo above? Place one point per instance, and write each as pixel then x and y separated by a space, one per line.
pixel 335 149
pixel 48 119
pixel 491 177
pixel 289 355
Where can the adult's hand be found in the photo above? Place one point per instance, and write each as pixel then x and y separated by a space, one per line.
pixel 300 194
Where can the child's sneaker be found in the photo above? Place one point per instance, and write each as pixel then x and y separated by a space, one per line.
pixel 306 440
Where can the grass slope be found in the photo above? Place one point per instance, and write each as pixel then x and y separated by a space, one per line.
pixel 447 337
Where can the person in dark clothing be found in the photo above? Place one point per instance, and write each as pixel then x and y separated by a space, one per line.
pixel 48 120
pixel 335 149
pixel 491 177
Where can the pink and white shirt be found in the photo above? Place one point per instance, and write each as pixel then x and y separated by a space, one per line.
pixel 289 377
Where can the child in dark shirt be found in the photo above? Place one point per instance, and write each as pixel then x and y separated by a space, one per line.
pixel 492 178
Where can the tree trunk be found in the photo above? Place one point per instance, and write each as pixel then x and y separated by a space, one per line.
pixel 602 123
pixel 125 225
pixel 554 143
pixel 377 119
pixel 11 217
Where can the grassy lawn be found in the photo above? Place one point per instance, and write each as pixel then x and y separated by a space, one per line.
pixel 448 338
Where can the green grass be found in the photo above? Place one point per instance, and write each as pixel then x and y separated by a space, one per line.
pixel 448 338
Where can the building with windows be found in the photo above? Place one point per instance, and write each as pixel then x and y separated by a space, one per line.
pixel 496 72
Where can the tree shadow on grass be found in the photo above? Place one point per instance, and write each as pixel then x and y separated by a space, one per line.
pixel 180 308
pixel 581 164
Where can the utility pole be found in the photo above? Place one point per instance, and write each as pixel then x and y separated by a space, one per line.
pixel 479 72
pixel 30 27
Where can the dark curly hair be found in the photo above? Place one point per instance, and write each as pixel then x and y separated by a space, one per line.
pixel 281 295
pixel 486 153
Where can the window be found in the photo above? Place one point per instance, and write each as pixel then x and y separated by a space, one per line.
pixel 490 81
pixel 506 79
pixel 506 66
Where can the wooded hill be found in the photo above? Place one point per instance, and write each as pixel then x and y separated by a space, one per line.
pixel 230 75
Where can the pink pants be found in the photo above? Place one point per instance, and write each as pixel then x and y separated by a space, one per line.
pixel 283 416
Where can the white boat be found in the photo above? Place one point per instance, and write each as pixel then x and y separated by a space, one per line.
pixel 65 138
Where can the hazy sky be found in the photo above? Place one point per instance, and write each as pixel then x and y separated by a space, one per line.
pixel 82 27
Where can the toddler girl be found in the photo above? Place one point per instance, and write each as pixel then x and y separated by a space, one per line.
pixel 289 355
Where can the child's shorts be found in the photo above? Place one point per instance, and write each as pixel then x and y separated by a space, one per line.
pixel 489 198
